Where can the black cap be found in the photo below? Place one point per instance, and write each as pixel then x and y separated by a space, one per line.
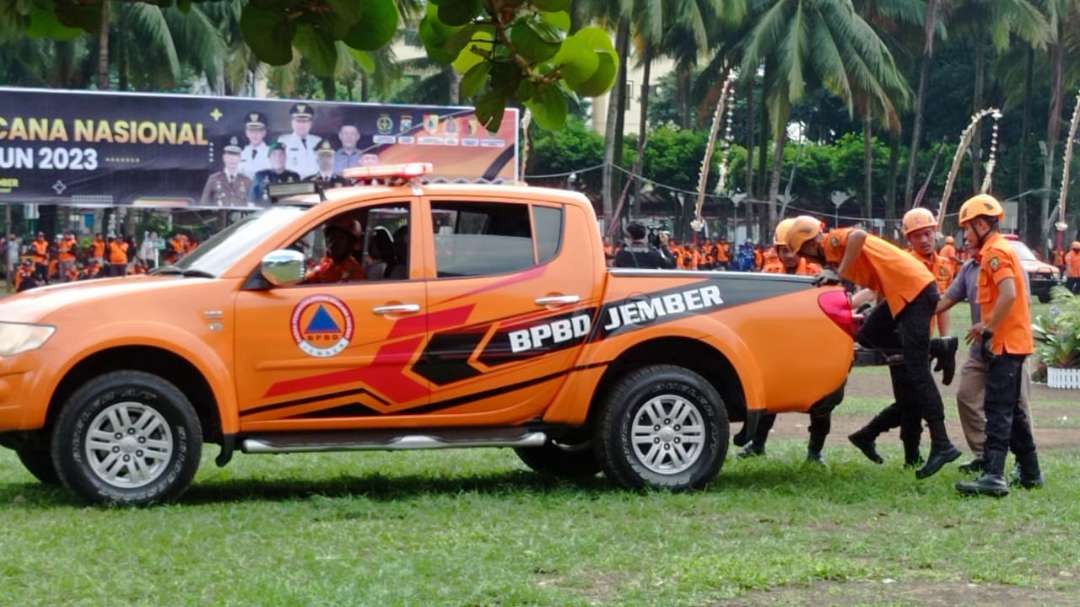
pixel 301 110
pixel 324 147
pixel 255 120
pixel 636 231
pixel 233 146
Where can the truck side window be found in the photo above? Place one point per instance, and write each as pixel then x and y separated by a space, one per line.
pixel 549 229
pixel 366 244
pixel 479 239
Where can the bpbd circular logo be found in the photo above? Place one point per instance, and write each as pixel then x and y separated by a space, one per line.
pixel 322 325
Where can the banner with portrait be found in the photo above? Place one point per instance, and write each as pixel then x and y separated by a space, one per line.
pixel 100 149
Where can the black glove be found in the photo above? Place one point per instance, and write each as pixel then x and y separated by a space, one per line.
pixel 943 351
pixel 826 277
pixel 985 353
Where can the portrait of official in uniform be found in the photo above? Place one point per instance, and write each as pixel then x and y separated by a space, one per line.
pixel 300 144
pixel 325 158
pixel 277 173
pixel 227 187
pixel 349 155
pixel 256 154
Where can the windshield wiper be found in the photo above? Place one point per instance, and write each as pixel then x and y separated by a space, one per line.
pixel 197 274
pixel 166 270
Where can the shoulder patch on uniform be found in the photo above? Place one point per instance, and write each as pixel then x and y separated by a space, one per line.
pixel 995 263
pixel 834 241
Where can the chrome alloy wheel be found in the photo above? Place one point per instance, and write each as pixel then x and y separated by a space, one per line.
pixel 668 434
pixel 129 445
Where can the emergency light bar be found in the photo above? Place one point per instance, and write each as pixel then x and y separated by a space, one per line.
pixel 389 171
pixel 277 191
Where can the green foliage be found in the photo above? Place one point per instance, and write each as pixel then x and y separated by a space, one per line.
pixel 1057 333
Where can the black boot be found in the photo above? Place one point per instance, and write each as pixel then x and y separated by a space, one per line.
pixel 912 457
pixel 814 457
pixel 972 467
pixel 864 438
pixel 943 349
pixel 741 437
pixel 751 450
pixel 942 450
pixel 1029 475
pixel 987 484
pixel 814 447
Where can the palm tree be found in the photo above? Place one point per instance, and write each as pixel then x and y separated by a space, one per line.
pixel 823 43
pixel 993 23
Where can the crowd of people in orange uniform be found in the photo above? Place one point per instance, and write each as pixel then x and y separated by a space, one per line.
pixel 38 261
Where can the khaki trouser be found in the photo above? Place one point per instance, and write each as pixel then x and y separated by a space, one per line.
pixel 970 395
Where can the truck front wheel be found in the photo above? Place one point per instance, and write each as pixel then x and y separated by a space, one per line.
pixel 662 427
pixel 127 437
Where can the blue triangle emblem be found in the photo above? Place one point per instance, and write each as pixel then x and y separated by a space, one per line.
pixel 322 323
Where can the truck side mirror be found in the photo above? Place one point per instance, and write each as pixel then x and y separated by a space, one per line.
pixel 283 268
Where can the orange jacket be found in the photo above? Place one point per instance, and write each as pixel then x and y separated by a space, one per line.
pixel 1072 264
pixel 99 249
pixel 39 250
pixel 118 250
pixel 67 249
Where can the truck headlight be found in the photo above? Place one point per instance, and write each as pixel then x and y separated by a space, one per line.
pixel 16 338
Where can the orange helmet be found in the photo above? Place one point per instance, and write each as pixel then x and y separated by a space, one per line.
pixel 949 240
pixel 982 205
pixel 917 219
pixel 801 230
pixel 780 237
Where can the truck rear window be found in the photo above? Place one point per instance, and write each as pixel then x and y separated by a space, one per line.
pixel 478 239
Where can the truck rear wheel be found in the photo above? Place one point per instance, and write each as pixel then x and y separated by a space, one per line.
pixel 127 437
pixel 38 461
pixel 662 427
pixel 561 461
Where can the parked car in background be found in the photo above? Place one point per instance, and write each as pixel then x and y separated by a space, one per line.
pixel 1041 276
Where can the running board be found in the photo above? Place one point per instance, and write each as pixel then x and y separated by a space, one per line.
pixel 382 440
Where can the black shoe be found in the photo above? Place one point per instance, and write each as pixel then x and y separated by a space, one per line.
pixel 936 460
pixel 987 484
pixel 750 450
pixel 814 457
pixel 973 467
pixel 914 461
pixel 1027 473
pixel 866 445
pixel 741 438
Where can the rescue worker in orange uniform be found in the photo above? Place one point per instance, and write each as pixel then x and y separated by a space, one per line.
pixel 948 252
pixel 1005 337
pixel 903 320
pixel 118 257
pixel 97 250
pixel 920 228
pixel 26 278
pixel 338 264
pixel 723 254
pixel 39 254
pixel 787 262
pixel 66 254
pixel 1072 268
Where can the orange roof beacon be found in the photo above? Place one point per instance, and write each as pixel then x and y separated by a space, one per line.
pixel 485 317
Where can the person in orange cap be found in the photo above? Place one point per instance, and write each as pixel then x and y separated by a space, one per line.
pixel 1072 268
pixel 339 264
pixel 920 229
pixel 948 252
pixel 1005 338
pixel 784 261
pixel 901 322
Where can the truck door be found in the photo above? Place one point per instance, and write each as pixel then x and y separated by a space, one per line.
pixel 509 304
pixel 333 351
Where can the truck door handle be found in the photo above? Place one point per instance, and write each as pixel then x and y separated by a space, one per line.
pixel 397 309
pixel 557 300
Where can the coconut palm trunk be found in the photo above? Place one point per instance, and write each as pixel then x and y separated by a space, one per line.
pixel 980 88
pixel 920 98
pixel 1053 133
pixel 612 138
pixel 868 163
pixel 103 48
pixel 1025 142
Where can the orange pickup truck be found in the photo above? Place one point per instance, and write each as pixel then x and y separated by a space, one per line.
pixel 470 316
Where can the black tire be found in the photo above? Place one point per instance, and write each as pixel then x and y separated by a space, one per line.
pixel 1044 297
pixel 625 400
pixel 574 462
pixel 176 424
pixel 37 459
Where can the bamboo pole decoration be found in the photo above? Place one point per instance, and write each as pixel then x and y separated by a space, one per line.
pixel 958 158
pixel 988 179
pixel 703 176
pixel 1064 194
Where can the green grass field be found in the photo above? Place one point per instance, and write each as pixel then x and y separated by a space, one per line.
pixel 477 528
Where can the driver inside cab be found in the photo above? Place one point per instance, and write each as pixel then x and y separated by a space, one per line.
pixel 342 236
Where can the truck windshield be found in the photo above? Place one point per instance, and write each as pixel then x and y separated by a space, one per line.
pixel 223 249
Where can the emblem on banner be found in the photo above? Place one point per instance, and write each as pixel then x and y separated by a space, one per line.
pixel 431 123
pixel 385 124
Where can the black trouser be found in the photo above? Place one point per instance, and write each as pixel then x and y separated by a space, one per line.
pixel 41 271
pixel 1073 285
pixel 913 384
pixel 820 424
pixel 1007 426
